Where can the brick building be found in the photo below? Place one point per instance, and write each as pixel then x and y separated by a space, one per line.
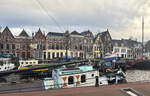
pixel 22 46
pixel 19 46
pixel 7 44
pixel 38 44
pixel 76 42
pixel 88 43
pixel 54 45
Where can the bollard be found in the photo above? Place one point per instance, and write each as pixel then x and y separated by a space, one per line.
pixel 97 81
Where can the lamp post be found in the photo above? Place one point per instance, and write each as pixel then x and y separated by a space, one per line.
pixel 66 41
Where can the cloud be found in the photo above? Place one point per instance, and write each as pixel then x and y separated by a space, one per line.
pixel 121 17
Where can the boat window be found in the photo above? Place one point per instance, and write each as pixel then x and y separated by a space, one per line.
pixel 70 80
pixel 92 75
pixel 83 78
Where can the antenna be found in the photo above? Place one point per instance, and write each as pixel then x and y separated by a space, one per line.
pixel 0 28
pixel 142 35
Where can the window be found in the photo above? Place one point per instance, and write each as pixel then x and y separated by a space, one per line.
pixel 117 49
pixel 76 47
pixel 23 46
pixel 28 47
pixel 70 80
pixel 61 46
pixel 6 39
pixel 49 47
pixel 91 41
pixel 80 47
pixel 122 55
pixel 38 46
pixel 83 78
pixel 7 46
pixel 61 54
pixel 57 54
pixel 57 47
pixel 28 54
pixel 17 46
pixel 13 46
pixel 53 46
pixel 92 75
pixel 122 44
pixel 71 54
pixel 2 46
pixel 44 55
pixel 18 54
pixel 116 44
pixel 23 54
pixel 49 55
pixel 123 50
pixel 53 55
pixel 41 46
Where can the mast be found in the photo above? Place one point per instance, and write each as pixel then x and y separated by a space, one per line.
pixel 142 36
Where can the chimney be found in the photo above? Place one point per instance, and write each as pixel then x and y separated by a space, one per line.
pixel 32 34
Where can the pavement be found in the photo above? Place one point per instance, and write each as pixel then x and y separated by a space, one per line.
pixel 111 90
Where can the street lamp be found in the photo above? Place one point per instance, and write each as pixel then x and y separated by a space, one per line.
pixel 67 43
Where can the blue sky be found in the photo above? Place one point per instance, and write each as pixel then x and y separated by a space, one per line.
pixel 121 17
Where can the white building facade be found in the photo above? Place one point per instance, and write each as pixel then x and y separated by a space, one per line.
pixel 127 48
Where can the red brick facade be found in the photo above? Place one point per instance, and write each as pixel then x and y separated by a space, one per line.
pixel 20 46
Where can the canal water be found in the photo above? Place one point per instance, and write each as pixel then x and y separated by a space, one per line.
pixel 138 75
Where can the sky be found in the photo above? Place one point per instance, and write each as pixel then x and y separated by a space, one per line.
pixel 123 18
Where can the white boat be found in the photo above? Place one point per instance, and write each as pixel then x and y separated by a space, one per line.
pixel 6 65
pixel 78 77
pixel 74 77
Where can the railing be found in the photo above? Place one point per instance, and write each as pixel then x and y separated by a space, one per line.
pixel 24 87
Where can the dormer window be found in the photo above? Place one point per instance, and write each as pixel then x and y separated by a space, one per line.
pixel 116 44
pixel 122 44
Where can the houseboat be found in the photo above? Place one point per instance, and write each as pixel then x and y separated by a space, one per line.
pixel 79 77
pixel 72 77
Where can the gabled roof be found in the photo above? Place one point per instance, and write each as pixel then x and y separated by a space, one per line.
pixel 55 34
pixel 23 34
pixel 75 33
pixel 103 34
pixel 7 32
pixel 125 42
pixel 39 34
pixel 87 32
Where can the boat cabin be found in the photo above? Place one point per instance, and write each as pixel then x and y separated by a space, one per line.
pixel 73 77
